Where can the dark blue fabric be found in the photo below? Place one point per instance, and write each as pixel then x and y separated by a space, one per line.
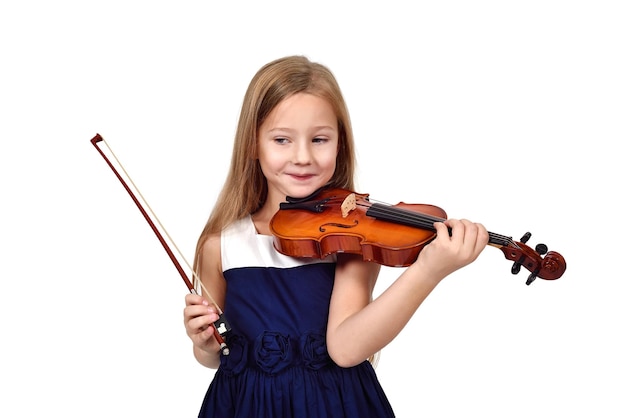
pixel 279 366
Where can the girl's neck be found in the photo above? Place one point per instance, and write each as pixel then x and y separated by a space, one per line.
pixel 263 216
pixel 261 223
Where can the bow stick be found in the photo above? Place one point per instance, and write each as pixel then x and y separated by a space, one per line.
pixel 221 326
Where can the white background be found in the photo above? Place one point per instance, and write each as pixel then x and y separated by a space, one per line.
pixel 507 113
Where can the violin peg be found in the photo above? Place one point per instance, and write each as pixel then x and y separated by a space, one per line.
pixel 531 278
pixel 541 249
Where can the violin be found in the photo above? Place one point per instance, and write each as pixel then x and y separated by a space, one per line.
pixel 334 220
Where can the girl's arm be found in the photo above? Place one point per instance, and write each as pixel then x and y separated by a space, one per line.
pixel 358 328
pixel 199 314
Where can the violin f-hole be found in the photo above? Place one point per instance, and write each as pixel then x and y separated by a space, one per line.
pixel 338 225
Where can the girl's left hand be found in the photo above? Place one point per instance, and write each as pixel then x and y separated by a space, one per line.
pixel 453 249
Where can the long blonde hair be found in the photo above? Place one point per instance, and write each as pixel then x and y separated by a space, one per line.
pixel 245 187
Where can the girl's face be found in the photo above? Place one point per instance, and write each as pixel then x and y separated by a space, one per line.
pixel 298 146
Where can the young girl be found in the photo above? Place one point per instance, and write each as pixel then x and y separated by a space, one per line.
pixel 302 329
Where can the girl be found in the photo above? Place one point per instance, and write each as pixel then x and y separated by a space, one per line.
pixel 302 329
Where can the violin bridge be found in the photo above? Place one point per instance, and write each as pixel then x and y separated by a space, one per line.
pixel 349 204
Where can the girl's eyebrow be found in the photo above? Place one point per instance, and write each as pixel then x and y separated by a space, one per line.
pixel 278 128
pixel 316 128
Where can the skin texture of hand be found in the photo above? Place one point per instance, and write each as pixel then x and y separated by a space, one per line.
pixel 449 252
pixel 199 315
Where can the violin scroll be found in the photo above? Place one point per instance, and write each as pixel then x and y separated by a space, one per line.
pixel 547 265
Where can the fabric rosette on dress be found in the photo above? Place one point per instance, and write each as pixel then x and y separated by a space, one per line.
pixel 237 360
pixel 314 352
pixel 274 352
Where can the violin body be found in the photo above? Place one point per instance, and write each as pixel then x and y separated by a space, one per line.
pixel 302 232
pixel 334 220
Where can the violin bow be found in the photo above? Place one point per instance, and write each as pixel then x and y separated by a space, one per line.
pixel 220 327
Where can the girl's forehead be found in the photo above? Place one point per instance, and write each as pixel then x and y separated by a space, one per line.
pixel 302 107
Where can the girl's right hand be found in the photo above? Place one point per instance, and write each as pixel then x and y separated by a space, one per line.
pixel 199 317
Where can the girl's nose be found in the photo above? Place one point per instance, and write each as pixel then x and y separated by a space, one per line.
pixel 302 153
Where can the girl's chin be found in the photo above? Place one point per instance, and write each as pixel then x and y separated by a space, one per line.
pixel 300 192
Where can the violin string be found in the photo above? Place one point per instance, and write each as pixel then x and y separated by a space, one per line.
pixel 426 221
pixel 392 213
pixel 412 218
pixel 156 218
pixel 401 215
pixel 421 220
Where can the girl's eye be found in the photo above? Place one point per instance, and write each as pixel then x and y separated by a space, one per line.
pixel 280 140
pixel 319 139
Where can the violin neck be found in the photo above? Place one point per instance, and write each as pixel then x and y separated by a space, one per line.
pixel 421 221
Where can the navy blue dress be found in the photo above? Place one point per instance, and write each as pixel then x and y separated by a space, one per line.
pixel 278 365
